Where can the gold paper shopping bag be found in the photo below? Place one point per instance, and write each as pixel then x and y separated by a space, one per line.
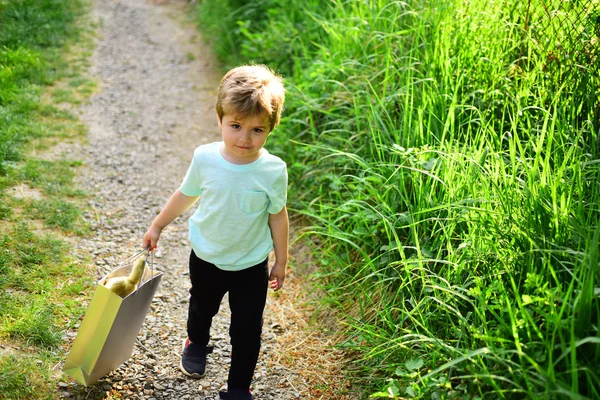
pixel 107 333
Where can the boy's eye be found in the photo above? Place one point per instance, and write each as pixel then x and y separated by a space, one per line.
pixel 235 126
pixel 258 130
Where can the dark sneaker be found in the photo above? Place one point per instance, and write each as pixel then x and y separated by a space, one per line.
pixel 193 360
pixel 236 394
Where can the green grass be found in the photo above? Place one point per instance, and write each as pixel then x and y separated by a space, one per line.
pixel 17 382
pixel 451 183
pixel 44 51
pixel 53 177
pixel 33 37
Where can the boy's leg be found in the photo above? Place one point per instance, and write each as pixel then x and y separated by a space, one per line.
pixel 247 298
pixel 209 285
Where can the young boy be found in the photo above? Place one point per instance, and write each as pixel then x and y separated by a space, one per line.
pixel 241 217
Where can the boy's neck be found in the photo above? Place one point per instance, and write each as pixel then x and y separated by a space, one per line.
pixel 237 161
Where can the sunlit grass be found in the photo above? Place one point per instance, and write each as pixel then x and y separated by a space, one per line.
pixel 40 281
pixel 20 380
pixel 452 181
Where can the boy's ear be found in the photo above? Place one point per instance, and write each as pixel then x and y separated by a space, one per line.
pixel 218 120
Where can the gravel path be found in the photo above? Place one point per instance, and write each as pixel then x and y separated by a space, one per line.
pixel 155 104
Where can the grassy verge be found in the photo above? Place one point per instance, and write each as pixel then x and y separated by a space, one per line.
pixel 43 53
pixel 452 183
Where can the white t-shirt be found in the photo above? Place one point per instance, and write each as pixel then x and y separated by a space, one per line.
pixel 230 226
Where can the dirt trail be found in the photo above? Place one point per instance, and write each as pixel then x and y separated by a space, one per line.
pixel 154 105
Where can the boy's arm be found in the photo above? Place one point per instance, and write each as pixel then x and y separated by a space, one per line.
pixel 177 205
pixel 279 225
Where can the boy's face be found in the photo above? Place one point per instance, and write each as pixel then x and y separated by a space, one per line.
pixel 244 137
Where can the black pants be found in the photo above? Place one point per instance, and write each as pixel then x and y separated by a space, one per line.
pixel 247 297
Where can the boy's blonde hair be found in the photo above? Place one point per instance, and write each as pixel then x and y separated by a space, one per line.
pixel 251 90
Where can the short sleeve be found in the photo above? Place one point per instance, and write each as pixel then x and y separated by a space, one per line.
pixel 278 195
pixel 191 185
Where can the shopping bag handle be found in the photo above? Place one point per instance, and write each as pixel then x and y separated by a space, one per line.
pixel 133 257
pixel 150 262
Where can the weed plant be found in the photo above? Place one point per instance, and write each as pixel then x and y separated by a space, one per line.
pixel 452 184
pixel 40 282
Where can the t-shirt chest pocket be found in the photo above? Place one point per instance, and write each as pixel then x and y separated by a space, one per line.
pixel 253 202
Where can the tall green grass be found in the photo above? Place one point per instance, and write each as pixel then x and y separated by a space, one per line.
pixel 451 181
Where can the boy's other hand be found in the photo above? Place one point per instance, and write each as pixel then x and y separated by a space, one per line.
pixel 277 276
pixel 151 238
